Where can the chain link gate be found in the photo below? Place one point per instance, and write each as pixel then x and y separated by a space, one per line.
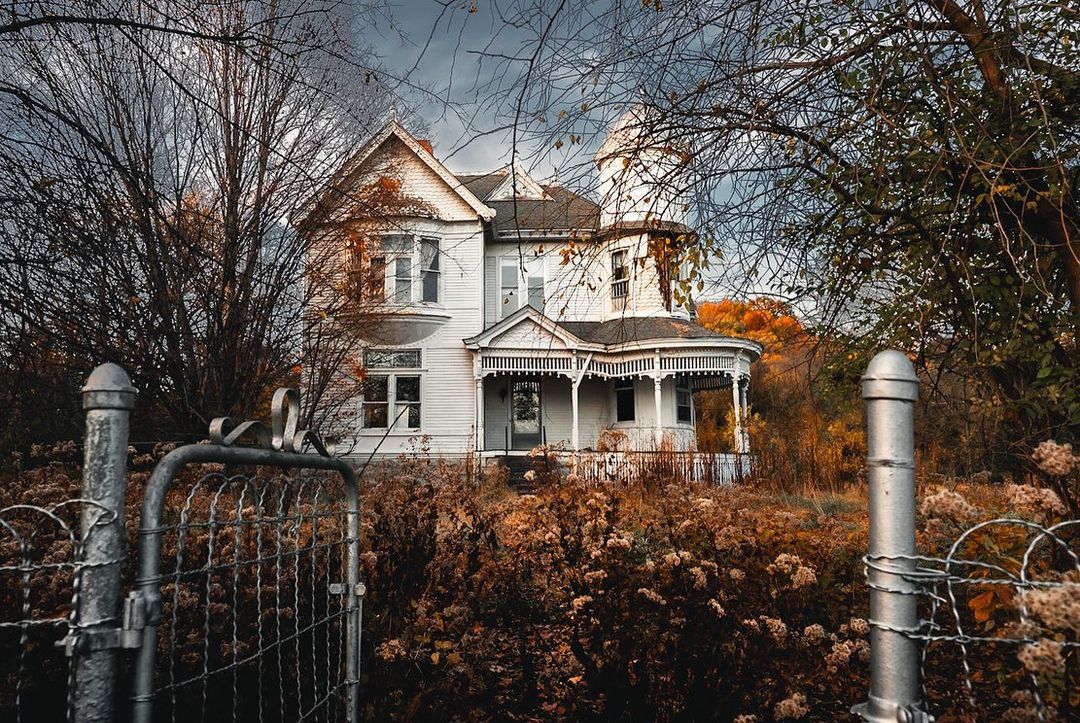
pixel 247 598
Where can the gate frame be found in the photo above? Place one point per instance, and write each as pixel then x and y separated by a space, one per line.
pixel 142 609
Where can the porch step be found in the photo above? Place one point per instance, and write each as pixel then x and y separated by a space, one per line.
pixel 517 466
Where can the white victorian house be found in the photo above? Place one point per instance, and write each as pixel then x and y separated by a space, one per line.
pixel 519 312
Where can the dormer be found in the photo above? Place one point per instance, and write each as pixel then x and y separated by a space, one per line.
pixel 518 186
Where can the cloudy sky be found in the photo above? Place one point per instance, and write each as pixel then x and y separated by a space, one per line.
pixel 438 55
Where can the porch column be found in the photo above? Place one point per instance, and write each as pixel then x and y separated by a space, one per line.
pixel 746 413
pixel 479 375
pixel 736 403
pixel 657 381
pixel 574 415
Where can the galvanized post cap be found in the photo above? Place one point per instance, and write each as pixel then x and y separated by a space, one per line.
pixel 108 387
pixel 890 375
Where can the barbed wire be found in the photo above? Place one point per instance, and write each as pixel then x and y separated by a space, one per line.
pixel 27 534
pixel 940 581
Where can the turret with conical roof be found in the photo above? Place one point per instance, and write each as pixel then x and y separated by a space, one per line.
pixel 643 173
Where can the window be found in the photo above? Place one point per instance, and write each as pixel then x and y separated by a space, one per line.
pixel 375 281
pixel 624 400
pixel 620 275
pixel 392 358
pixel 402 387
pixel 366 274
pixel 508 284
pixel 429 269
pixel 402 280
pixel 407 401
pixel 400 269
pixel 398 248
pixel 683 403
pixel 376 400
pixel 535 284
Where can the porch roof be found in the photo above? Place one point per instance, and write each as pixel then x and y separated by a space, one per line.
pixel 637 328
pixel 614 336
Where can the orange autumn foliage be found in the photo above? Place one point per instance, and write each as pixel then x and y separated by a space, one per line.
pixel 802 433
pixel 770 322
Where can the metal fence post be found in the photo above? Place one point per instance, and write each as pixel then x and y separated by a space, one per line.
pixel 108 399
pixel 890 389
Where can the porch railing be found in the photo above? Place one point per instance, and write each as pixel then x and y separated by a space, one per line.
pixel 627 467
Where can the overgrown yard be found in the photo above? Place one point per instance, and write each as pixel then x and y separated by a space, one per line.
pixel 650 602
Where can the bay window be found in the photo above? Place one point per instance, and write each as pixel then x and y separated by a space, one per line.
pixel 401 269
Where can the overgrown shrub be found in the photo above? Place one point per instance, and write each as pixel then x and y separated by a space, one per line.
pixel 671 602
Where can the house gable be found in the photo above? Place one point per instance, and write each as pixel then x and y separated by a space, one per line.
pixel 527 335
pixel 518 185
pixel 526 328
pixel 395 175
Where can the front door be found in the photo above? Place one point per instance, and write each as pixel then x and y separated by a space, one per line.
pixel 525 413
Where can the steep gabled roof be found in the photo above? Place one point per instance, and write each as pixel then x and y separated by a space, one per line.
pixel 393 128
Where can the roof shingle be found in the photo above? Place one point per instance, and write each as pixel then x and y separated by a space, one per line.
pixel 563 211
pixel 635 328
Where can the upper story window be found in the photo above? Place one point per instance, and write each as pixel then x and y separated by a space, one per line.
pixel 400 268
pixel 534 285
pixel 508 287
pixel 516 284
pixel 624 400
pixel 620 275
pixel 429 269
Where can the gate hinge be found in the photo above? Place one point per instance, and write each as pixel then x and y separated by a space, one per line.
pixel 342 588
pixel 138 613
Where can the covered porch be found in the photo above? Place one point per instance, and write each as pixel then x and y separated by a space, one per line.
pixel 538 383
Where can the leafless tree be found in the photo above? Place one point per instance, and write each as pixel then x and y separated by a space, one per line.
pixel 905 173
pixel 153 157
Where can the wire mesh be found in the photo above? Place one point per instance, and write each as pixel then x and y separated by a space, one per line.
pixel 1002 609
pixel 253 606
pixel 40 570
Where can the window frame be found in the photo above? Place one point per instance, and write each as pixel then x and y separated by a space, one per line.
pixel 433 267
pixel 368 404
pixel 397 267
pixel 505 263
pixel 528 280
pixel 534 270
pixel 620 276
pixel 680 389
pixel 622 387
pixel 393 371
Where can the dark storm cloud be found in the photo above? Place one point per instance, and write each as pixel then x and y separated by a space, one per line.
pixel 439 57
